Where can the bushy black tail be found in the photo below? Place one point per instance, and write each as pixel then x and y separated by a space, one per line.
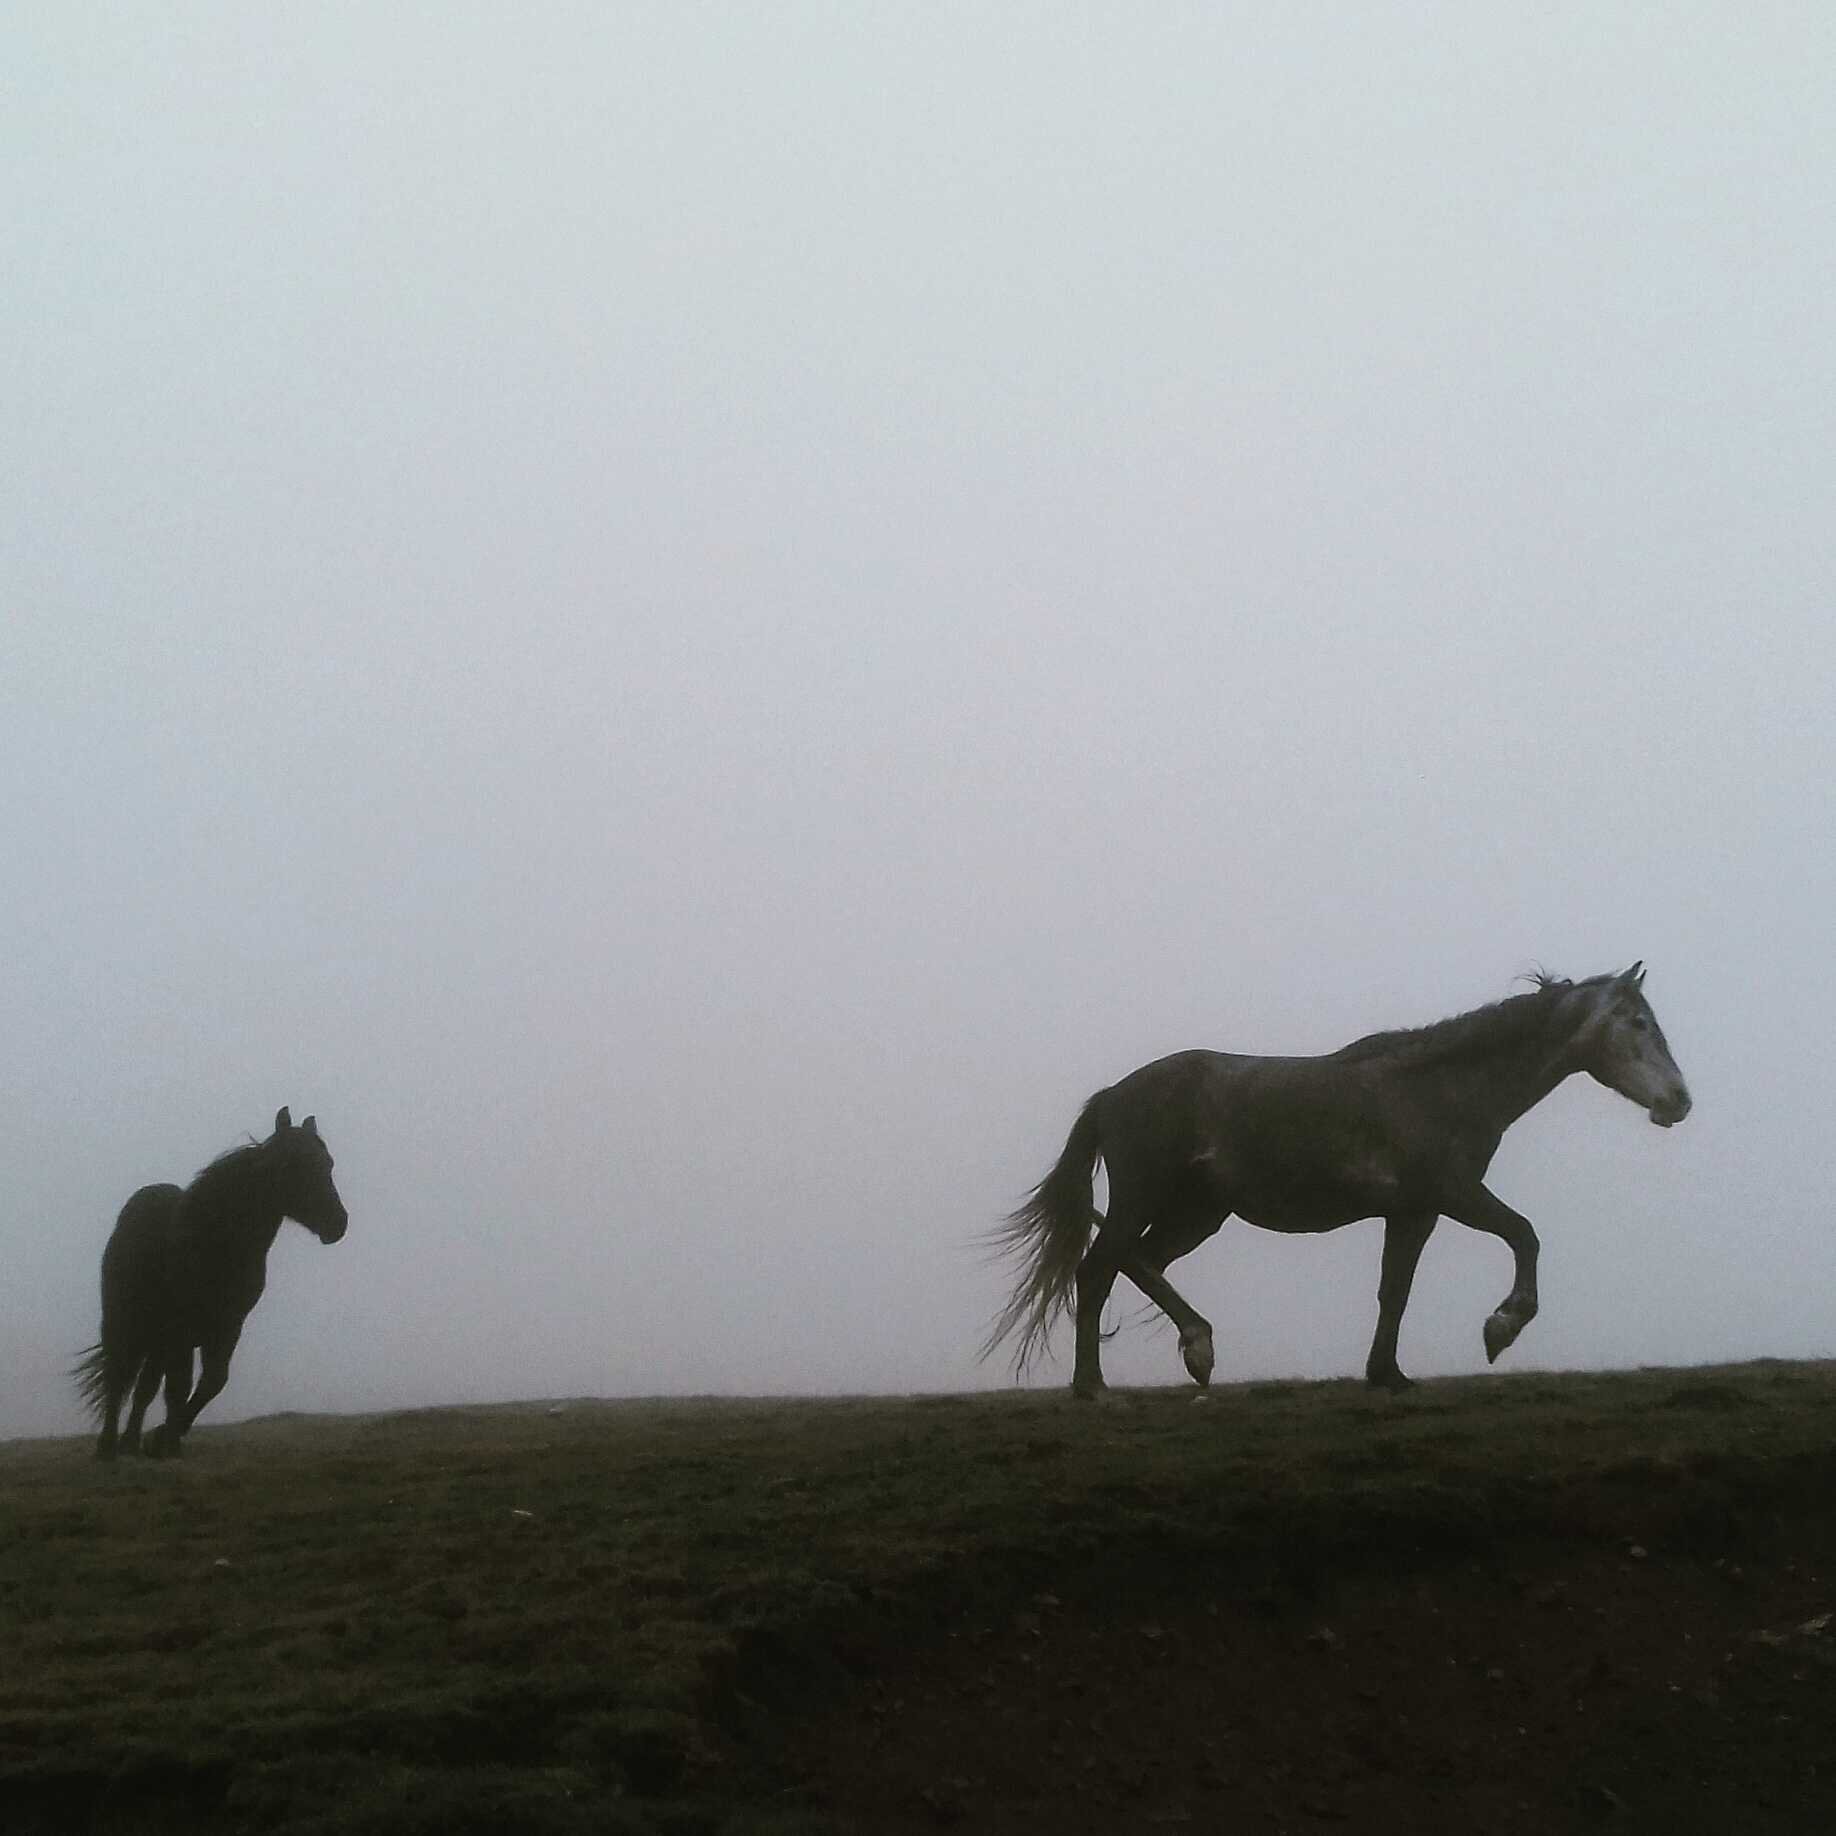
pixel 1050 1233
pixel 90 1374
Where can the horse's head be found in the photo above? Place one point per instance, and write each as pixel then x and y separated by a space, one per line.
pixel 302 1165
pixel 1622 1046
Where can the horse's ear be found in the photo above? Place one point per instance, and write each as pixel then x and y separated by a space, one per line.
pixel 1635 976
pixel 282 1120
pixel 310 1126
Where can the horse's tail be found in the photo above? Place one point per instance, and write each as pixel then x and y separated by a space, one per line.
pixel 90 1374
pixel 1049 1233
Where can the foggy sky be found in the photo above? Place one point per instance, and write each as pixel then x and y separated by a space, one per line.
pixel 691 624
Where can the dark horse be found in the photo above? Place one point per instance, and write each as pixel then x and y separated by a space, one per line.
pixel 1400 1126
pixel 183 1268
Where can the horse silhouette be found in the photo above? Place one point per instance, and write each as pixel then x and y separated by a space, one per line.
pixel 183 1268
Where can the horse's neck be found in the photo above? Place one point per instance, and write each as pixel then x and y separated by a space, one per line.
pixel 238 1221
pixel 245 1235
pixel 1512 1083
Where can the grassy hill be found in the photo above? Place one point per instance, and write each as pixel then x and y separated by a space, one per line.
pixel 591 1615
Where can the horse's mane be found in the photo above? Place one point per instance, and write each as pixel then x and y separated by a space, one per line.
pixel 222 1187
pixel 1501 1026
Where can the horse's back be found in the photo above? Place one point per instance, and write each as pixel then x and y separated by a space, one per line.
pixel 136 1247
pixel 1205 1082
pixel 1157 1120
pixel 1186 1109
pixel 148 1212
pixel 1192 1084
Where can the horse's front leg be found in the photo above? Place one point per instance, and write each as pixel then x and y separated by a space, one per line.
pixel 1483 1211
pixel 213 1373
pixel 1403 1238
pixel 164 1440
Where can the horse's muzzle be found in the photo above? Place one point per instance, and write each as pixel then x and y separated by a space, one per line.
pixel 1669 1110
pixel 330 1233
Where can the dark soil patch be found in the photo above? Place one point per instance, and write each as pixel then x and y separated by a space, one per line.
pixel 1561 1685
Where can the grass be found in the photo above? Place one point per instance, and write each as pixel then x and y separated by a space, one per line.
pixel 512 1618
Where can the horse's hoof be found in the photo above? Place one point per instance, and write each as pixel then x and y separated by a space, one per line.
pixel 106 1455
pixel 1500 1329
pixel 1200 1358
pixel 1392 1380
pixel 1085 1390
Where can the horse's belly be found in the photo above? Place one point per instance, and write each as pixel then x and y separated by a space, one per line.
pixel 1320 1202
pixel 1301 1218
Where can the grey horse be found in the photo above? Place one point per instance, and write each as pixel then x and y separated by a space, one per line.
pixel 1400 1126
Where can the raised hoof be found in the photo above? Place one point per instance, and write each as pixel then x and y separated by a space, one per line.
pixel 1200 1358
pixel 1500 1330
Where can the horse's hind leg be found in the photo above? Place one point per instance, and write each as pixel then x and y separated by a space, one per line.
pixel 1403 1238
pixel 1164 1242
pixel 1096 1275
pixel 146 1387
pixel 115 1379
